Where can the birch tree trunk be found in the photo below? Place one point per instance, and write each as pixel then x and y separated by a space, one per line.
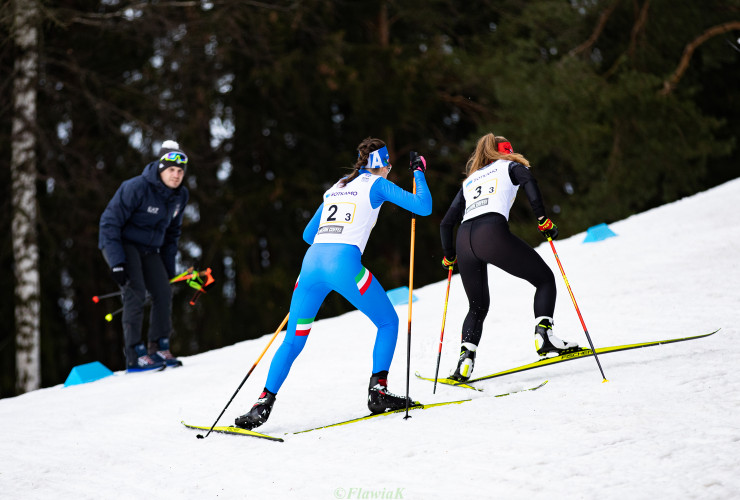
pixel 23 175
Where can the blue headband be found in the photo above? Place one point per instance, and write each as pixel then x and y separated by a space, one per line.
pixel 379 158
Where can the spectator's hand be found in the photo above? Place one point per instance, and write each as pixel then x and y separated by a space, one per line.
pixel 119 274
pixel 447 263
pixel 417 162
pixel 548 228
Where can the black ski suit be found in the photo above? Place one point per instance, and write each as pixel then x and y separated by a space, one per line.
pixel 486 239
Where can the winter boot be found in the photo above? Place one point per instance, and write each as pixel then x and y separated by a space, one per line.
pixel 160 351
pixel 143 362
pixel 466 362
pixel 546 342
pixel 259 413
pixel 379 400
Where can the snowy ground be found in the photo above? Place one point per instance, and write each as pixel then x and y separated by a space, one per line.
pixel 666 425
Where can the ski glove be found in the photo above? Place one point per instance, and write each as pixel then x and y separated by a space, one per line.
pixel 119 274
pixel 417 162
pixel 548 228
pixel 447 263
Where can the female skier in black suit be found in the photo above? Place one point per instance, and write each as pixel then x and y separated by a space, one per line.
pixel 494 174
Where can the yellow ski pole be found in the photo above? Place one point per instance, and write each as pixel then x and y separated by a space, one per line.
pixel 274 335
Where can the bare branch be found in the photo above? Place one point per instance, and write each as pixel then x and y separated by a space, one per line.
pixel 464 103
pixel 603 18
pixel 672 81
pixel 637 28
pixel 639 24
pixel 92 19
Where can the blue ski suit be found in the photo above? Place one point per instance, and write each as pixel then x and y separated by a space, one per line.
pixel 338 267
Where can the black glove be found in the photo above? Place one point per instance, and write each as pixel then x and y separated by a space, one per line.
pixel 447 263
pixel 417 162
pixel 548 228
pixel 119 274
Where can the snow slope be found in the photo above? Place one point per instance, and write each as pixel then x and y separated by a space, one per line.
pixel 665 425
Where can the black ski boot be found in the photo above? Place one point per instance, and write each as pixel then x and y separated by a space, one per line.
pixel 465 364
pixel 259 413
pixel 546 342
pixel 379 400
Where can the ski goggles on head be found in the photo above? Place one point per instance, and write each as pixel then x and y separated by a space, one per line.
pixel 176 157
pixel 379 159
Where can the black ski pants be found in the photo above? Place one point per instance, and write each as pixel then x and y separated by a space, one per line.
pixel 146 273
pixel 488 240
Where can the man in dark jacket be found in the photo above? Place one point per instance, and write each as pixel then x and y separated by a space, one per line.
pixel 139 232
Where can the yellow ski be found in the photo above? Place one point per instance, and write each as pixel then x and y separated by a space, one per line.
pixel 579 353
pixel 416 406
pixel 233 430
pixel 368 417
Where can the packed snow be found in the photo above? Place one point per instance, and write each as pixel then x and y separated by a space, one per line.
pixel 666 424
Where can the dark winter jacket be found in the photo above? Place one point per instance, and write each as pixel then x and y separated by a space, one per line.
pixel 145 213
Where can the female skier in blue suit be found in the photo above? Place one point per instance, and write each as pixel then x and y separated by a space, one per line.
pixel 338 233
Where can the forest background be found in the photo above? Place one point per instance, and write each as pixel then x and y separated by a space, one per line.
pixel 619 105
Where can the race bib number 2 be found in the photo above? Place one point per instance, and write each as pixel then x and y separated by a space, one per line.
pixel 339 213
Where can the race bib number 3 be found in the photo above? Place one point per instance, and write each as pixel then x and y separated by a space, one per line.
pixel 485 188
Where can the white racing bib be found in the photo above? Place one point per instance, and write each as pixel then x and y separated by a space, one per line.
pixel 347 216
pixel 489 189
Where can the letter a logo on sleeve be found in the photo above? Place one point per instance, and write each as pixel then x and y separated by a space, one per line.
pixel 363 280
pixel 303 327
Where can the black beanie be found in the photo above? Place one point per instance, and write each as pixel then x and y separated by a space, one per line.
pixel 166 160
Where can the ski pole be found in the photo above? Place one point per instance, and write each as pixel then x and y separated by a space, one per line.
pixel 442 335
pixel 184 275
pixel 572 297
pixel 195 281
pixel 109 316
pixel 274 335
pixel 413 155
pixel 97 298
pixel 209 279
pixel 197 294
pixel 180 277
